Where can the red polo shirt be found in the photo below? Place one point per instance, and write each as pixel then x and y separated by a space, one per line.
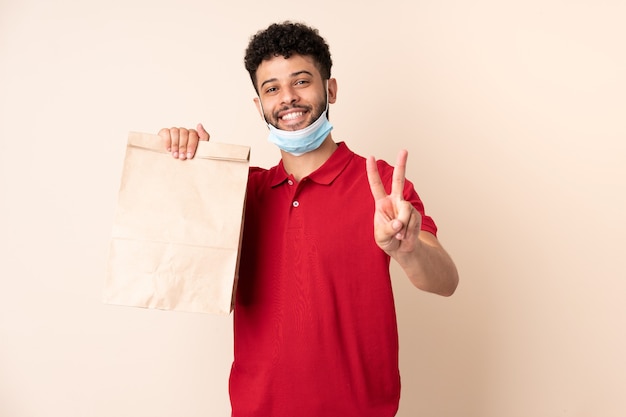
pixel 314 322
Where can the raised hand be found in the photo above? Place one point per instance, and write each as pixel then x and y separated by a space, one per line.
pixel 181 142
pixel 396 222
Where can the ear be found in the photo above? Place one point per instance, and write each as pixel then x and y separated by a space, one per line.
pixel 332 90
pixel 257 102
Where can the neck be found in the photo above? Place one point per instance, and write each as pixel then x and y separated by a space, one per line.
pixel 303 165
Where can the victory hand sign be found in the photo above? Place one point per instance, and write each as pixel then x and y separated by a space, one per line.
pixel 396 222
pixel 397 227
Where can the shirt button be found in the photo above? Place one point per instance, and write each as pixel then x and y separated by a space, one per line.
pixel 289 182
pixel 295 204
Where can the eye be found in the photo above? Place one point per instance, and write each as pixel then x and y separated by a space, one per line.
pixel 301 82
pixel 271 90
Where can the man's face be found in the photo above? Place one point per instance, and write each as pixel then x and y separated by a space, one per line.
pixel 291 91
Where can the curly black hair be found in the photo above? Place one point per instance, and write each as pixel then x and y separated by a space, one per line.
pixel 287 38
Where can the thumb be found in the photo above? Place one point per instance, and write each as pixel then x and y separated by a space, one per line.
pixel 202 133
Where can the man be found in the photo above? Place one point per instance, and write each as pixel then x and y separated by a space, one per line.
pixel 315 329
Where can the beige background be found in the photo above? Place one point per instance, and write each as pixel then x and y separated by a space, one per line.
pixel 513 114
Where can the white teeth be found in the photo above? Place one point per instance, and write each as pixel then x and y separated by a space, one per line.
pixel 291 116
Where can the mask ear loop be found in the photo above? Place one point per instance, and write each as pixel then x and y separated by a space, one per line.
pixel 262 110
pixel 327 105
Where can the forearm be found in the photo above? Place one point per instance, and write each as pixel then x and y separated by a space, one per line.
pixel 429 266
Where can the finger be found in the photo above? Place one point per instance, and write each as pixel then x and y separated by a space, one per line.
pixel 192 143
pixel 399 172
pixel 165 135
pixel 174 135
pixel 403 216
pixel 373 177
pixel 202 133
pixel 182 143
pixel 415 225
pixel 412 224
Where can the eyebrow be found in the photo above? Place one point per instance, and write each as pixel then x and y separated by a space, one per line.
pixel 292 75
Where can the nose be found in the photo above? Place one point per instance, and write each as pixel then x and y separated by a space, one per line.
pixel 288 95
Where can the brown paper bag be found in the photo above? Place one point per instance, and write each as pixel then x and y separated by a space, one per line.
pixel 177 227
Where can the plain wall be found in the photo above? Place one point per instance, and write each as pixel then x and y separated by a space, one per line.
pixel 513 115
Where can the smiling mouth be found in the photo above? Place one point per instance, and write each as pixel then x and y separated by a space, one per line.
pixel 292 116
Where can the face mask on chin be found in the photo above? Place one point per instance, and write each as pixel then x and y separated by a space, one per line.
pixel 299 142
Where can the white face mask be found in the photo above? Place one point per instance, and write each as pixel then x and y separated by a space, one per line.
pixel 299 142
